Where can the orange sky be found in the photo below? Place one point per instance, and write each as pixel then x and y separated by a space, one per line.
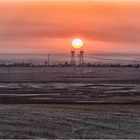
pixel 49 27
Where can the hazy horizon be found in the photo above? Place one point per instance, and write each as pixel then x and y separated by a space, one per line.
pixel 62 58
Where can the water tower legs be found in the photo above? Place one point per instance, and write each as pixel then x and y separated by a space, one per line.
pixel 73 57
pixel 73 61
pixel 81 56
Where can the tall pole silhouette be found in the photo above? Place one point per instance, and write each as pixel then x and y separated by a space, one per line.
pixel 48 60
pixel 81 57
pixel 73 61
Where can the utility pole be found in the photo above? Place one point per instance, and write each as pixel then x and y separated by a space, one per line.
pixel 48 59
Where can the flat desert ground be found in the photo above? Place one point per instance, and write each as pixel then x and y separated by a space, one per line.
pixel 68 102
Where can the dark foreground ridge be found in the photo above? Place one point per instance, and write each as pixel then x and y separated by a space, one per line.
pixel 19 100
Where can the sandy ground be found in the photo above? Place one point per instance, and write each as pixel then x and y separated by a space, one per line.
pixel 68 103
pixel 70 121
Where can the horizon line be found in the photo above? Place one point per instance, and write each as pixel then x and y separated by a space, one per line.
pixel 69 53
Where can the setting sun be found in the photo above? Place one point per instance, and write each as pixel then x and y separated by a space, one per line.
pixel 77 43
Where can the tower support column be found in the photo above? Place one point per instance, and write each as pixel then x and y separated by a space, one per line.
pixel 73 61
pixel 81 56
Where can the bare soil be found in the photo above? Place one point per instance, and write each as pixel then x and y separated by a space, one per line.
pixel 70 121
pixel 69 103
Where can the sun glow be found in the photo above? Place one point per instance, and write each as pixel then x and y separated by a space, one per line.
pixel 77 43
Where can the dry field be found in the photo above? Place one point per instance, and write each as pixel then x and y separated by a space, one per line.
pixel 70 74
pixel 69 121
pixel 69 103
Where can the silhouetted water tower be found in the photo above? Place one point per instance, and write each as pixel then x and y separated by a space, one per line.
pixel 77 45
